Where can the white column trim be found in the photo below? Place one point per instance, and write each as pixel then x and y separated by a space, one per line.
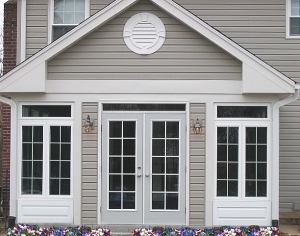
pixel 23 31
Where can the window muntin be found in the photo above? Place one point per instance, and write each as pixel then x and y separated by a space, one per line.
pixel 66 15
pixel 293 18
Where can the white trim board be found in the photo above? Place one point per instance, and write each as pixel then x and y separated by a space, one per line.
pixel 252 64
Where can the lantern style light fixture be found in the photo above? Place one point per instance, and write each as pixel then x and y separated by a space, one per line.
pixel 197 126
pixel 88 124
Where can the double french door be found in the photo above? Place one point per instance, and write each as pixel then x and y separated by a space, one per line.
pixel 143 168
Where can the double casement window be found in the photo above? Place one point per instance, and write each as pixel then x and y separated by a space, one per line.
pixel 66 14
pixel 242 151
pixel 46 144
pixel 293 18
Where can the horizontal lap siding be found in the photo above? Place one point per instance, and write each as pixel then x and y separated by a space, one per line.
pixel 197 169
pixel 289 156
pixel 90 167
pixel 36 26
pixel 258 25
pixel 104 55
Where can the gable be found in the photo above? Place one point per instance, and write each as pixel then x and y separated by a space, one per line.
pixel 185 54
pixel 252 66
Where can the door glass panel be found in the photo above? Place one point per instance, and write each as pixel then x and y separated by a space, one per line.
pixel 165 165
pixel 122 165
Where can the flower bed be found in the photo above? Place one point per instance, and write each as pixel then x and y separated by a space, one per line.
pixel 34 230
pixel 252 230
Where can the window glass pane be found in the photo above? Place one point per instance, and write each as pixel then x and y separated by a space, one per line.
pixel 69 18
pixel 27 151
pixel 172 165
pixel 222 188
pixel 222 153
pixel 242 112
pixel 158 165
pixel 79 17
pixel 172 129
pixel 26 168
pixel 115 165
pixel 222 135
pixel 262 135
pixel 295 26
pixel 233 152
pixel 158 147
pixel 295 5
pixel 129 147
pixel 65 187
pixel 233 171
pixel 128 182
pixel 158 183
pixel 80 5
pixel 129 129
pixel 54 186
pixel 158 129
pixel 65 169
pixel 59 5
pixel 172 183
pixel 65 133
pixel 26 134
pixel 250 188
pixel 158 200
pixel 128 200
pixel 222 171
pixel 115 129
pixel 115 183
pixel 128 164
pixel 172 148
pixel 115 146
pixel 69 5
pixel 58 17
pixel 172 201
pixel 54 169
pixel 261 188
pixel 59 31
pixel 233 135
pixel 143 107
pixel 47 111
pixel 37 169
pixel 114 200
pixel 232 188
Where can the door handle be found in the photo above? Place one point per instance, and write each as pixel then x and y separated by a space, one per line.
pixel 147 175
pixel 139 175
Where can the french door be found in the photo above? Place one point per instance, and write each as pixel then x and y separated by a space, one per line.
pixel 143 168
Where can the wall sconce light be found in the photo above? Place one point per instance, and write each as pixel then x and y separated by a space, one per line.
pixel 197 126
pixel 88 124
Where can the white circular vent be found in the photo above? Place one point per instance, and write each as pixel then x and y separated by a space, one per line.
pixel 144 33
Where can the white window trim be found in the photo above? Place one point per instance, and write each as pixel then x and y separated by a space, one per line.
pixel 242 125
pixel 287 21
pixel 46 122
pixel 51 16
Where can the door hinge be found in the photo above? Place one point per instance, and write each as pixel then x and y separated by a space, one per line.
pixel 100 209
pixel 101 128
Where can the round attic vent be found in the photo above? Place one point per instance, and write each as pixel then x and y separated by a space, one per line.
pixel 144 33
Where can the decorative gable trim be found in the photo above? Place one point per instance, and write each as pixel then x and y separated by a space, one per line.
pixel 260 69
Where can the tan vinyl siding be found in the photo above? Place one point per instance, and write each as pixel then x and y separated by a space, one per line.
pixel 89 167
pixel 97 5
pixel 197 171
pixel 257 25
pixel 36 26
pixel 104 55
pixel 289 190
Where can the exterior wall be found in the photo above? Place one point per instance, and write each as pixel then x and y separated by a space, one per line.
pixel 185 54
pixel 289 157
pixel 9 62
pixel 89 167
pixel 197 169
pixel 36 26
pixel 258 25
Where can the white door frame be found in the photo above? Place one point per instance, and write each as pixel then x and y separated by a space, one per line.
pixel 187 150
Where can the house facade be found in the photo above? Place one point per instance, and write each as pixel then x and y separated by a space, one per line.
pixel 153 112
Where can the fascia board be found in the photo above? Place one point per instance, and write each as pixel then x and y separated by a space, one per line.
pixel 219 39
pixel 63 43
